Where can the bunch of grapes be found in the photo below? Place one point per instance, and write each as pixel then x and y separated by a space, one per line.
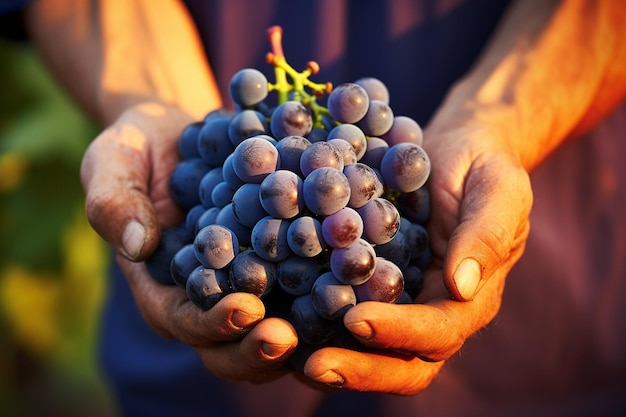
pixel 313 208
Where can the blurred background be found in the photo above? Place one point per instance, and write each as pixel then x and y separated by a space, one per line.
pixel 52 264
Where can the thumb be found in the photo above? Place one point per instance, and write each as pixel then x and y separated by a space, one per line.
pixel 492 229
pixel 120 201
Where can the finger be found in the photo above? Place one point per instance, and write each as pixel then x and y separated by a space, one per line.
pixel 169 312
pixel 493 226
pixel 365 371
pixel 433 331
pixel 260 355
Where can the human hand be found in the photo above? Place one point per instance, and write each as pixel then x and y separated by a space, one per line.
pixel 480 203
pixel 125 173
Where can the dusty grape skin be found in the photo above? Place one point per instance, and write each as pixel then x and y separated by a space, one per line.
pixel 311 328
pixel 296 274
pixel 269 239
pixel 405 167
pixel 413 280
pixel 351 134
pixel 353 264
pixel 183 262
pixel 213 143
pixel 170 242
pixel 326 190
pixel 281 194
pixel 226 217
pixel 375 88
pixel 205 287
pixel 385 285
pixel 247 206
pixel 185 180
pixel 364 184
pixel 378 119
pixel 404 129
pixel 397 250
pixel 374 152
pixel 331 297
pixel 381 220
pixel 291 118
pixel 348 103
pixel 216 246
pixel 188 141
pixel 348 155
pixel 246 124
pixel 304 236
pixel 342 228
pixel 252 274
pixel 318 155
pixel 290 149
pixel 254 159
pixel 415 206
pixel 248 87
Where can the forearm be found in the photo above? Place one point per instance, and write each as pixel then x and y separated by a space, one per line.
pixel 111 55
pixel 553 70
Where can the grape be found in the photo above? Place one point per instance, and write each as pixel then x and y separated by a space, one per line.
pixel 207 184
pixel 385 285
pixel 418 239
pixel 310 326
pixel 246 124
pixel 247 206
pixel 348 155
pixel 290 150
pixel 415 206
pixel 296 275
pixel 208 217
pixel 281 194
pixel 191 219
pixel 318 155
pixel 378 119
pixel 376 149
pixel 332 298
pixel 222 194
pixel 229 175
pixel 348 103
pixel 413 280
pixel 205 287
pixel 381 220
pixel 291 118
pixel 188 141
pixel 353 135
pixel 183 262
pixel 185 180
pixel 397 250
pixel 226 217
pixel 269 239
pixel 404 129
pixel 405 167
pixel 252 274
pixel 304 236
pixel 326 190
pixel 216 246
pixel 364 184
pixel 254 159
pixel 375 88
pixel 342 228
pixel 353 264
pixel 248 87
pixel 170 242
pixel 213 143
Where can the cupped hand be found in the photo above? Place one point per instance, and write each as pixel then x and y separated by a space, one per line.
pixel 480 204
pixel 125 174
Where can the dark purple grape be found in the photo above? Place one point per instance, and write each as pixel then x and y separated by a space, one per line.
pixel 213 143
pixel 247 206
pixel 348 155
pixel 290 149
pixel 208 217
pixel 254 159
pixel 205 287
pixel 385 285
pixel 207 184
pixel 413 280
pixel 185 180
pixel 248 87
pixel 252 274
pixel 397 250
pixel 381 220
pixel 296 274
pixel 365 184
pixel 353 135
pixel 216 246
pixel 353 264
pixel 269 239
pixel 281 194
pixel 226 217
pixel 332 298
pixel 376 149
pixel 304 237
pixel 405 167
pixel 378 119
pixel 246 124
pixel 326 190
pixel 188 141
pixel 415 206
pixel 348 103
pixel 318 155
pixel 170 242
pixel 375 88
pixel 222 194
pixel 404 129
pixel 311 328
pixel 342 228
pixel 291 118
pixel 183 262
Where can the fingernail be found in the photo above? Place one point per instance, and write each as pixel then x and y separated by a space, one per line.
pixel 331 378
pixel 361 329
pixel 272 350
pixel 242 319
pixel 133 239
pixel 467 277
